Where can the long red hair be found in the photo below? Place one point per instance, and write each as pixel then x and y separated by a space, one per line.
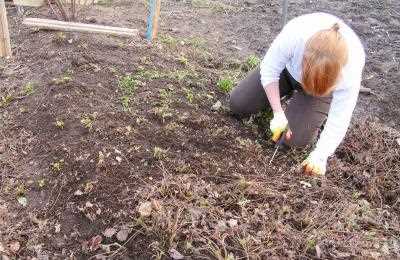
pixel 324 57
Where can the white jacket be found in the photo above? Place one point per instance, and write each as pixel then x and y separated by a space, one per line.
pixel 287 51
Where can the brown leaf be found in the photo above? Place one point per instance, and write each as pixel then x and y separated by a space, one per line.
pixel 94 243
pixel 14 246
pixel 145 209
pixel 109 232
pixel 174 254
pixel 122 235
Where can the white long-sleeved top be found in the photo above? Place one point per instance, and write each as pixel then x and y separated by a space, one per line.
pixel 287 51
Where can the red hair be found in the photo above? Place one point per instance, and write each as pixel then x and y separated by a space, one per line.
pixel 324 57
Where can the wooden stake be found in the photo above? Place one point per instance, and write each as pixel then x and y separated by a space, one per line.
pixel 5 46
pixel 284 12
pixel 153 19
pixel 78 27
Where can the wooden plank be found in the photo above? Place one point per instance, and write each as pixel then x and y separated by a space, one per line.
pixel 79 27
pixel 153 19
pixel 5 46
pixel 32 3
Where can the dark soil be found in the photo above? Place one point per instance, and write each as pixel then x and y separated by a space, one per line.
pixel 109 137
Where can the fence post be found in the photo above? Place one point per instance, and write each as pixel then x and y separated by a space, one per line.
pixel 284 11
pixel 153 19
pixel 5 46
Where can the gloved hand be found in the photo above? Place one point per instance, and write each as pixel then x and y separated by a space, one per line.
pixel 278 125
pixel 314 165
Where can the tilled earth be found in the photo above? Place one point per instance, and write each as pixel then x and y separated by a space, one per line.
pixel 119 148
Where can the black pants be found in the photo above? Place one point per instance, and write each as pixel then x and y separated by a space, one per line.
pixel 305 113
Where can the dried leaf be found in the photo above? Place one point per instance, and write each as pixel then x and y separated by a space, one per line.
pixel 318 251
pixel 23 201
pixel 78 193
pixel 14 246
pixel 122 235
pixel 305 184
pixel 94 243
pixel 216 106
pixel 232 223
pixel 109 232
pixel 57 228
pixel 145 209
pixel 174 254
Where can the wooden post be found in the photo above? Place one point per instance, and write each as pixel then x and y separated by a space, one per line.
pixel 5 46
pixel 284 11
pixel 153 19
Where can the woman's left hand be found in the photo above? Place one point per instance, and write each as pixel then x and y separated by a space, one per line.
pixel 314 165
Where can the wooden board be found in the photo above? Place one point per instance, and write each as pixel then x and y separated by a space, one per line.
pixel 32 3
pixel 79 27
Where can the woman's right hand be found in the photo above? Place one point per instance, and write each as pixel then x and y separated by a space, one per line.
pixel 278 125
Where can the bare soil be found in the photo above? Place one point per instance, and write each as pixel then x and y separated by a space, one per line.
pixel 115 146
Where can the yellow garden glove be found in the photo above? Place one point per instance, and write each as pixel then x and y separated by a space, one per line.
pixel 314 165
pixel 278 125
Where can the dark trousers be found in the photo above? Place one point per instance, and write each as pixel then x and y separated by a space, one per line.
pixel 305 113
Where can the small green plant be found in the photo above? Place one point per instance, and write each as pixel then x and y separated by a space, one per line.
pixel 189 95
pixel 87 121
pixel 60 37
pixel 311 243
pixel 62 80
pixel 106 3
pixel 29 88
pixel 60 124
pixel 21 190
pixel 41 183
pixel 225 85
pixel 165 94
pixel 168 40
pixel 57 166
pixel 252 62
pixel 6 100
pixel 183 60
pixel 128 84
pixel 159 153
pixel 125 101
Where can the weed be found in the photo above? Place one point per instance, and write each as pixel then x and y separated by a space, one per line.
pixel 41 183
pixel 57 166
pixel 165 95
pixel 189 95
pixel 125 101
pixel 169 40
pixel 225 85
pixel 60 124
pixel 20 190
pixel 127 84
pixel 159 153
pixel 213 5
pixel 197 42
pixel 252 62
pixel 163 112
pixel 60 37
pixel 172 127
pixel 6 100
pixel 106 3
pixel 87 121
pixel 183 60
pixel 62 80
pixel 29 88
pixel 311 243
